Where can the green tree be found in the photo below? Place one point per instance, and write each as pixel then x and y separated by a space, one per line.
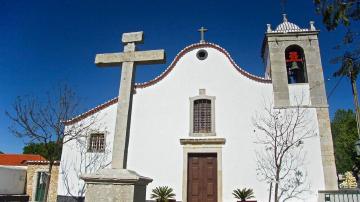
pixel 346 13
pixel 344 133
pixel 335 12
pixel 52 150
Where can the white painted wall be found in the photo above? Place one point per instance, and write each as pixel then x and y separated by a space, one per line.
pixel 75 159
pixel 161 117
pixel 12 179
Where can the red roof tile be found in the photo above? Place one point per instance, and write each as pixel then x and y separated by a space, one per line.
pixel 19 159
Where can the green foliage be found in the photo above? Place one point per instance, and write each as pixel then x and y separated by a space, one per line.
pixel 1 152
pixel 337 12
pixel 350 65
pixel 51 151
pixel 344 132
pixel 243 194
pixel 347 13
pixel 162 193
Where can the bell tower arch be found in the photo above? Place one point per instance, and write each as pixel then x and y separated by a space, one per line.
pixel 292 56
pixel 295 64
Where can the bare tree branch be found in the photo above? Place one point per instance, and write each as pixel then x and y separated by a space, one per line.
pixel 282 133
pixel 42 121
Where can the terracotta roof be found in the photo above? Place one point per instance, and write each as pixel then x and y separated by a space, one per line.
pixel 165 73
pixel 19 159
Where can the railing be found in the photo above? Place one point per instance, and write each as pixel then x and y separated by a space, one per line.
pixel 343 195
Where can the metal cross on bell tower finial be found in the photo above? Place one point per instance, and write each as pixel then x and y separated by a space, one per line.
pixel 202 31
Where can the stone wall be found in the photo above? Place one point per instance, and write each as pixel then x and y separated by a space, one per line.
pixel 32 172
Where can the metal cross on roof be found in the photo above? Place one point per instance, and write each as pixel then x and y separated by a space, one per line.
pixel 202 31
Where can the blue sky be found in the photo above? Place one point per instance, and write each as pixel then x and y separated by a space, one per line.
pixel 43 43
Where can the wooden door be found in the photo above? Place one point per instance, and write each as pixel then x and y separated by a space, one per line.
pixel 202 177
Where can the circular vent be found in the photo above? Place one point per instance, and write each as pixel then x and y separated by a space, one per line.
pixel 202 54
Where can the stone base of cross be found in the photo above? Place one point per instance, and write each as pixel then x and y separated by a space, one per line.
pixel 115 185
pixel 118 183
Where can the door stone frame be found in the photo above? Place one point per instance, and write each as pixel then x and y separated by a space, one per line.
pixel 34 181
pixel 202 145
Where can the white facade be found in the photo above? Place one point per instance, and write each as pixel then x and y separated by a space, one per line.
pixel 161 117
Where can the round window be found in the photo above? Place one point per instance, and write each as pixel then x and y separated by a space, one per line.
pixel 202 54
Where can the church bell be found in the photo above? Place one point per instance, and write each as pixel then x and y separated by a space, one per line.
pixel 294 66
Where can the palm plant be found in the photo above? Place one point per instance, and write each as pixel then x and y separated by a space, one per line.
pixel 243 194
pixel 162 193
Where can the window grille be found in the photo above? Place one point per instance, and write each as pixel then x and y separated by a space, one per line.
pixel 202 116
pixel 97 142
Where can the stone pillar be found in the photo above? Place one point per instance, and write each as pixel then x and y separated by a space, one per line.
pixel 319 100
pixel 278 73
pixel 327 150
pixel 110 185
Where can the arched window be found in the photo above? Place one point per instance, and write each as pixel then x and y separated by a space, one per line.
pixel 295 64
pixel 202 116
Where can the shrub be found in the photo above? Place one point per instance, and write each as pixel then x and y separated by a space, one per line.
pixel 243 194
pixel 162 193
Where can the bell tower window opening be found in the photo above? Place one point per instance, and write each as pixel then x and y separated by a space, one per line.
pixel 202 116
pixel 295 64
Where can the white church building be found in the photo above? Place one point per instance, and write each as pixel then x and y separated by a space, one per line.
pixel 192 127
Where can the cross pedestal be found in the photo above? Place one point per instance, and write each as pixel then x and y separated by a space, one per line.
pixel 110 185
pixel 118 183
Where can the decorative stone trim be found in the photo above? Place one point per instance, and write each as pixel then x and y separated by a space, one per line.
pixel 202 95
pixel 202 145
pixel 201 141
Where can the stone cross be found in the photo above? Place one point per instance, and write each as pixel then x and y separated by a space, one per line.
pixel 128 59
pixel 202 31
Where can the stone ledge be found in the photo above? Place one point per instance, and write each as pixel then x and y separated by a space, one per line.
pixel 301 106
pixel 116 176
pixel 340 191
pixel 197 141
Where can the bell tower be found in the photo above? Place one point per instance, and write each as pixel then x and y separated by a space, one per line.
pixel 292 57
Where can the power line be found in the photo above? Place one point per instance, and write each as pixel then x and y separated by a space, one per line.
pixel 334 88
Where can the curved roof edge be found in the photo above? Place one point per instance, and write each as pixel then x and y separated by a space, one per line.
pixel 164 74
pixel 91 111
pixel 195 46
